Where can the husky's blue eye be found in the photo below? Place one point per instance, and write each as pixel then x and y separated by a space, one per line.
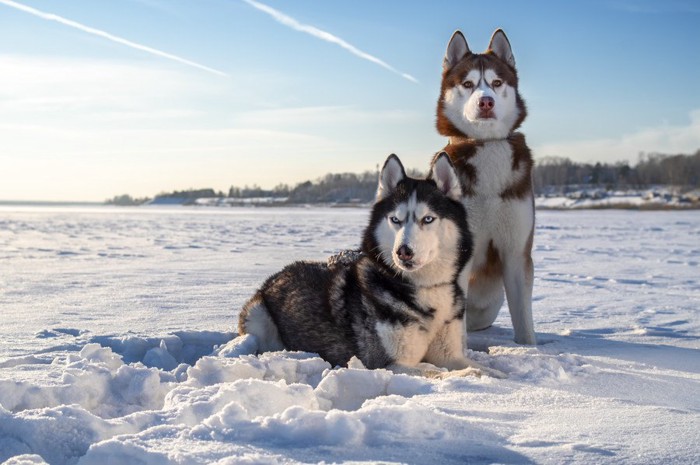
pixel 428 219
pixel 395 220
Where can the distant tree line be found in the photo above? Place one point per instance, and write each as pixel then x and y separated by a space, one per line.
pixel 331 188
pixel 126 200
pixel 281 190
pixel 682 171
pixel 337 188
pixel 550 174
pixel 190 195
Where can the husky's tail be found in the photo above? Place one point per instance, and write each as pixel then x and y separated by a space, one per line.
pixel 255 319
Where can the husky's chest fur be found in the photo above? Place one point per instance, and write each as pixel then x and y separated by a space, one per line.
pixel 399 312
pixel 497 175
pixel 429 307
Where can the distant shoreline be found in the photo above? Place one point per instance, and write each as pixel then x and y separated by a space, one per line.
pixel 49 203
pixel 644 207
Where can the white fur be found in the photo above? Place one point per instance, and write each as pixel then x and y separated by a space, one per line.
pixel 434 245
pixel 461 106
pixel 446 178
pixel 260 324
pixel 486 210
pixel 423 350
pixel 428 350
pixel 392 173
pixel 456 50
pixel 501 47
pixel 508 223
pixel 421 238
pixel 405 344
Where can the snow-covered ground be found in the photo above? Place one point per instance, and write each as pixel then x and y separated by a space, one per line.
pixel 656 198
pixel 116 346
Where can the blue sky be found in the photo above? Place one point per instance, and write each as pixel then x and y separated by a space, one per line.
pixel 104 97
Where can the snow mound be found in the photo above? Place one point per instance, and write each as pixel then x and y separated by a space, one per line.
pixel 99 408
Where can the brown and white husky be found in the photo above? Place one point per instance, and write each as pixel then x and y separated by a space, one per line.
pixel 479 109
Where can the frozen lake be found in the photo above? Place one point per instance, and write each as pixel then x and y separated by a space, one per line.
pixel 106 310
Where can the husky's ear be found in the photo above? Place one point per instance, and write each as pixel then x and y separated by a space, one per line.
pixel 500 46
pixel 392 174
pixel 456 50
pixel 445 176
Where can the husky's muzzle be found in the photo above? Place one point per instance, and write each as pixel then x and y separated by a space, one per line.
pixel 486 105
pixel 405 256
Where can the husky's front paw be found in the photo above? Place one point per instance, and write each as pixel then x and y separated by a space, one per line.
pixel 527 339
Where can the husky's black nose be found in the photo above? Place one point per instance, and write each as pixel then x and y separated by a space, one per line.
pixel 486 103
pixel 404 253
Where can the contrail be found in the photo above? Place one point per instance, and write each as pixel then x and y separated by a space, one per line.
pixel 108 36
pixel 323 35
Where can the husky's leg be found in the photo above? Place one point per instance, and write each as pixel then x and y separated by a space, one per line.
pixel 446 350
pixel 484 298
pixel 255 319
pixel 408 347
pixel 404 344
pixel 518 280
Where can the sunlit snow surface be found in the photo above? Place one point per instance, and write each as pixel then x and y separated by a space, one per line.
pixel 116 346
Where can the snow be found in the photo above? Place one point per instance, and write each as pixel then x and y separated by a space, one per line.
pixel 658 197
pixel 118 346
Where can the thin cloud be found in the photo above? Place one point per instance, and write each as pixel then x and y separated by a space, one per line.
pixel 108 36
pixel 325 36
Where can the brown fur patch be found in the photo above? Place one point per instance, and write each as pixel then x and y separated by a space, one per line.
pixel 521 161
pixel 460 154
pixel 492 267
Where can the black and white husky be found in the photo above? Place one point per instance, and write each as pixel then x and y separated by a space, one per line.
pixel 479 109
pixel 395 307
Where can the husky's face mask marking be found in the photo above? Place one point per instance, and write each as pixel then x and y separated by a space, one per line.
pixel 482 106
pixel 479 97
pixel 415 227
pixel 412 234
